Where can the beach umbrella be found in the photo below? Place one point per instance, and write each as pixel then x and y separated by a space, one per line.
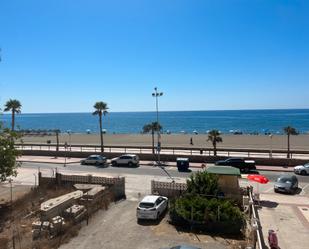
pixel 258 179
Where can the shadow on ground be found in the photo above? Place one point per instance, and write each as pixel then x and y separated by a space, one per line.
pixel 268 204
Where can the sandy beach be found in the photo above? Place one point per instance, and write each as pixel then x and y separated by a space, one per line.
pixel 299 142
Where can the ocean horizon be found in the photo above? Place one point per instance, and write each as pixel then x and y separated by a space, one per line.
pixel 263 121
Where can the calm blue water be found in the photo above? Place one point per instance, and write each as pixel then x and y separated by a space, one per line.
pixel 248 121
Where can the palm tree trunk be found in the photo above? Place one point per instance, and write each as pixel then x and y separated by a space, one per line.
pixel 288 156
pixel 13 120
pixel 215 148
pixel 101 133
pixel 152 134
pixel 57 141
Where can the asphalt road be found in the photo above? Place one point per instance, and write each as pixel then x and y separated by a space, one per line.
pixel 142 170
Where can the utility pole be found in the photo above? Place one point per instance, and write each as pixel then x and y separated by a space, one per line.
pixel 157 94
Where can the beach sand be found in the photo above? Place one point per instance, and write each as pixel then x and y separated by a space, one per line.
pixel 300 142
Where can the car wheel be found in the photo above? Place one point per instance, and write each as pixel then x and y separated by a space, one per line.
pixel 130 164
pixel 303 172
pixel 114 163
pixel 275 190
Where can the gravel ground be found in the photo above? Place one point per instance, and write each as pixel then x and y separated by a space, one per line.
pixel 117 228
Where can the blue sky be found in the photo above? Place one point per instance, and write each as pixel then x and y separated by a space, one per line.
pixel 62 56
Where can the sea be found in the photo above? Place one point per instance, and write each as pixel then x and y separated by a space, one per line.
pixel 174 122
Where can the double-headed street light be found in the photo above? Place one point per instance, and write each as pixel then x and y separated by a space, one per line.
pixel 157 94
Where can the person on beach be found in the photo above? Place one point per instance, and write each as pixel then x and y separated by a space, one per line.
pixel 191 141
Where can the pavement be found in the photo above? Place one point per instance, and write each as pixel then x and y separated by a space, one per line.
pixel 288 216
pixel 63 160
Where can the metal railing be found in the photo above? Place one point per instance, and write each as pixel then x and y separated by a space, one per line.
pixel 224 152
pixel 259 243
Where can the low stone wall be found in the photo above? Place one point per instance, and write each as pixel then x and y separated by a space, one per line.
pixel 116 185
pixel 170 158
pixel 168 189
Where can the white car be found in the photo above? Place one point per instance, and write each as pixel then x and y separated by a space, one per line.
pixel 130 160
pixel 94 160
pixel 151 207
pixel 302 169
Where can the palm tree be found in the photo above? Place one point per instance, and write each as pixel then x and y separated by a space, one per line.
pixel 214 137
pixel 289 130
pixel 152 127
pixel 14 106
pixel 100 109
pixel 57 131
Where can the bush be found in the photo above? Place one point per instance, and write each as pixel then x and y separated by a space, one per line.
pixel 203 183
pixel 201 209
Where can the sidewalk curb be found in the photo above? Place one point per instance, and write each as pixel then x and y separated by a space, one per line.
pixel 29 161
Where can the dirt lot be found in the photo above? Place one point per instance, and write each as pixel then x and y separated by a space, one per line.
pixel 117 229
pixel 18 220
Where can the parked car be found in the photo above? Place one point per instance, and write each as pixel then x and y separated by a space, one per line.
pixel 302 169
pixel 94 160
pixel 151 207
pixel 286 184
pixel 240 163
pixel 130 160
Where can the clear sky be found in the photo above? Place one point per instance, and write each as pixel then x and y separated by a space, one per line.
pixel 63 55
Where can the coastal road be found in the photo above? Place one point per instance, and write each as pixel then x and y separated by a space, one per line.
pixel 138 174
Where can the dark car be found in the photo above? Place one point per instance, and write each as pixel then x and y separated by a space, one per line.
pixel 286 184
pixel 240 163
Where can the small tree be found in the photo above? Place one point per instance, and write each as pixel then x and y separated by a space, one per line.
pixel 203 183
pixel 289 131
pixel 152 127
pixel 214 137
pixel 8 154
pixel 14 106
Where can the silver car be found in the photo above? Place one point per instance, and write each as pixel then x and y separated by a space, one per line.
pixel 129 160
pixel 94 160
pixel 286 184
pixel 302 169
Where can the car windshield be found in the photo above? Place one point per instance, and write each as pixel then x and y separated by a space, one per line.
pixel 146 205
pixel 285 180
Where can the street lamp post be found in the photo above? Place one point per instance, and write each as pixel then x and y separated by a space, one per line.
pixel 157 94
pixel 271 145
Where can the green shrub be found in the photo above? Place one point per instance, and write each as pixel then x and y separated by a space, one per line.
pixel 203 183
pixel 213 215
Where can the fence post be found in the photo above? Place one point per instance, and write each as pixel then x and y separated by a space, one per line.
pixel 89 179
